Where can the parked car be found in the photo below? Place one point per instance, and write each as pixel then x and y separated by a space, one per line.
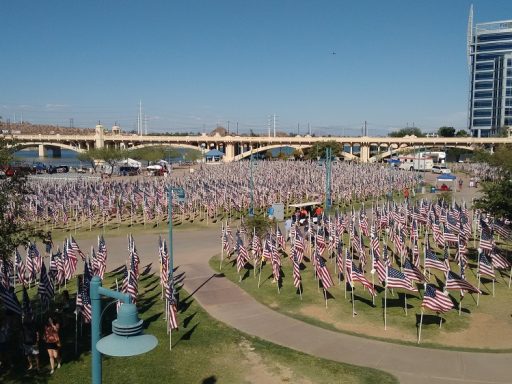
pixel 58 169
pixel 440 169
pixel 39 167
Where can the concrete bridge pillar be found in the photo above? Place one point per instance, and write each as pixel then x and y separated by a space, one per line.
pixel 99 136
pixel 42 150
pixel 229 152
pixel 364 153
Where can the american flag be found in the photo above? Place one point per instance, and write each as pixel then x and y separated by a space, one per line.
pixel 499 261
pixel 454 281
pixel 431 260
pixel 436 300
pixel 26 306
pixel 134 256
pixel 243 255
pixel 413 272
pixel 45 288
pixel 10 300
pixel 358 275
pixel 323 273
pixel 379 267
pixel 450 236
pixel 484 266
pixel 85 295
pixel 296 272
pixel 299 245
pixel 320 242
pixel 486 241
pixel 396 279
pixel 20 267
pixel 256 246
pixel 172 304
pixel 76 249
pixel 70 261
pixel 101 257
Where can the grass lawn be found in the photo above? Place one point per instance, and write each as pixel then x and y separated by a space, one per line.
pixel 203 351
pixel 486 327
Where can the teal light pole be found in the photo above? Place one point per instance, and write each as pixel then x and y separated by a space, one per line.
pixel 127 338
pixel 328 163
pixel 180 194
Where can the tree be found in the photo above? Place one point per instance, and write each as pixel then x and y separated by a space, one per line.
pixel 318 150
pixel 192 155
pixel 87 157
pixel 14 229
pixel 413 131
pixel 497 195
pixel 496 199
pixel 446 132
pixel 108 155
pixel 462 133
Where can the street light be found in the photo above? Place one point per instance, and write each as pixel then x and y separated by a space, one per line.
pixel 251 208
pixel 180 193
pixel 127 338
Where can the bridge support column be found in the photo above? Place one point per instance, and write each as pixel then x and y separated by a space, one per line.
pixel 364 153
pixel 229 153
pixel 42 150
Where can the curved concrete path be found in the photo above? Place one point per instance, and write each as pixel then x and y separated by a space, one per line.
pixel 228 303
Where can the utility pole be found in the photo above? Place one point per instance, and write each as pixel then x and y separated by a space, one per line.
pixel 274 125
pixel 268 124
pixel 237 128
pixel 298 128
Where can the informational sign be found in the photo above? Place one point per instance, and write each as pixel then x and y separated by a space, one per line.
pixel 278 211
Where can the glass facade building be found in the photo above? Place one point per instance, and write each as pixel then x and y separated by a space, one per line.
pixel 490 64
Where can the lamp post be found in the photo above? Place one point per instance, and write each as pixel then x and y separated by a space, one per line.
pixel 328 163
pixel 181 198
pixel 127 338
pixel 251 208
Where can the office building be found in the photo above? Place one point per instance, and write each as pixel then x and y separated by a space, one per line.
pixel 490 67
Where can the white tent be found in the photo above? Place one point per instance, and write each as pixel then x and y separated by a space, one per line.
pixel 130 163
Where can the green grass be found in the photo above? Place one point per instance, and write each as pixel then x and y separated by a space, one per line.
pixel 369 321
pixel 203 351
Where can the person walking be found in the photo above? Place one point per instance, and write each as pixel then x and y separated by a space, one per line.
pixel 53 344
pixel 31 343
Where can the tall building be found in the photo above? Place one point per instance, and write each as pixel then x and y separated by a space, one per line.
pixel 490 67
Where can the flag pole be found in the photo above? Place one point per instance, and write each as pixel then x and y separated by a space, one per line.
pixel 493 287
pixel 421 323
pixel 509 277
pixel 300 290
pixel 460 302
pixel 405 303
pixel 325 296
pixel 259 276
pixel 221 247
pixel 478 297
pixel 353 302
pixel 385 303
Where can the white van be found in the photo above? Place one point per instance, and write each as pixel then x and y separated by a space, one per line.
pixel 440 169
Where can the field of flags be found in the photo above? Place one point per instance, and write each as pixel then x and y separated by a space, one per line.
pixel 432 250
pixel 59 269
pixel 212 192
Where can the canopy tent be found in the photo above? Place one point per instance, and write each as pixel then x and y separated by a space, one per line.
pixel 446 177
pixel 130 163
pixel 213 155
pixel 308 204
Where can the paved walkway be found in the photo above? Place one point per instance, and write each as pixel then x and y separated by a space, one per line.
pixel 228 303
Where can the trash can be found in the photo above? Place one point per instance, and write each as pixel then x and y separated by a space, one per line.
pixel 432 189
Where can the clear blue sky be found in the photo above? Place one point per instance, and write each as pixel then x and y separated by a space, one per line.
pixel 197 64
